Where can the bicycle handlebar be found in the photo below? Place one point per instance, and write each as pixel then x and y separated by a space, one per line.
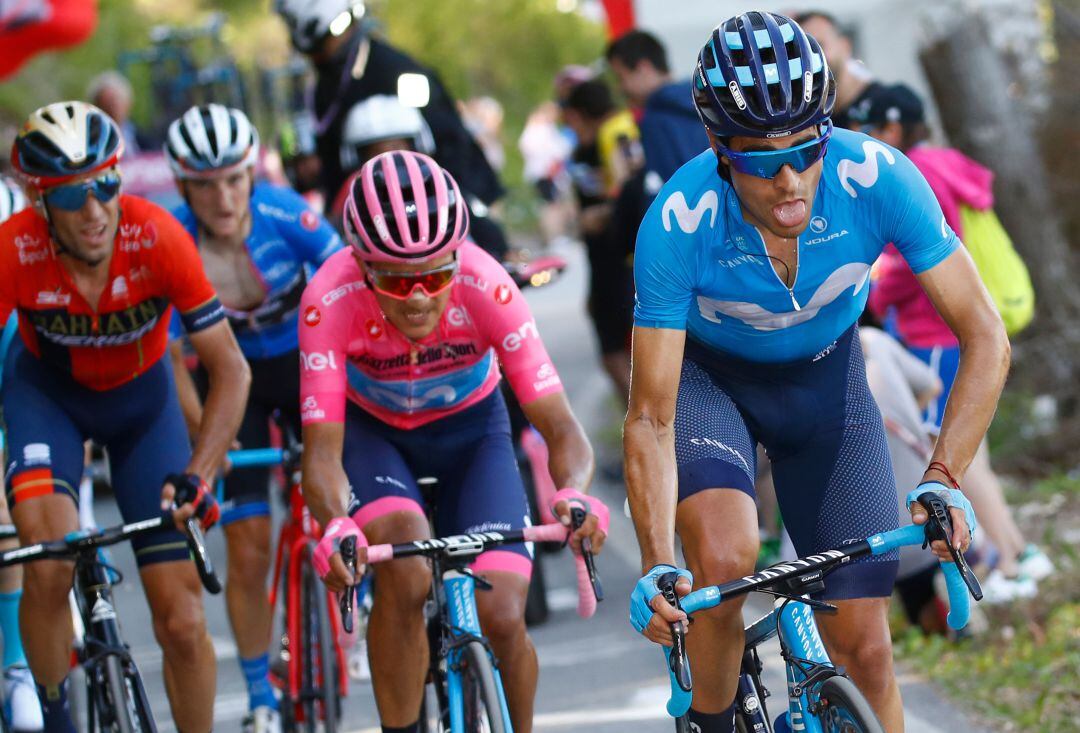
pixel 959 580
pixel 86 539
pixel 589 590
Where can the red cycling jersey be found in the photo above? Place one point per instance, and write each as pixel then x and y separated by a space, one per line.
pixel 154 264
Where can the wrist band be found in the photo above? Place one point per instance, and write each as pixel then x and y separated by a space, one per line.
pixel 939 466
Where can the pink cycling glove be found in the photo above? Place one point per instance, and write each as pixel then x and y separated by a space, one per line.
pixel 338 529
pixel 591 504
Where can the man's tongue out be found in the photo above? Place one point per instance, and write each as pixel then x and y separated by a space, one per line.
pixel 790 213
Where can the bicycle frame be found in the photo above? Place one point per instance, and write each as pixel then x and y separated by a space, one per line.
pixel 800 639
pixel 460 620
pixel 298 532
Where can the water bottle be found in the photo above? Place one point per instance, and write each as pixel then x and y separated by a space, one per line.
pixel 781 724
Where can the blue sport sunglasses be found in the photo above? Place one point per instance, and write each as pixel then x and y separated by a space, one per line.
pixel 769 163
pixel 72 197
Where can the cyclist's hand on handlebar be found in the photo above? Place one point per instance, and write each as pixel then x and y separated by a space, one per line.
pixel 960 511
pixel 597 522
pixel 328 563
pixel 650 614
pixel 192 497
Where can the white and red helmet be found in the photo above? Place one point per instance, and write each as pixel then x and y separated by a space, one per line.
pixel 403 207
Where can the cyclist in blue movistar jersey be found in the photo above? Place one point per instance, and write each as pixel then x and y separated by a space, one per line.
pixel 751 271
pixel 257 242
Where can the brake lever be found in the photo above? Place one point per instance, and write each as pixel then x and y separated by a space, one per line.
pixel 197 544
pixel 939 526
pixel 680 670
pixel 348 556
pixel 577 519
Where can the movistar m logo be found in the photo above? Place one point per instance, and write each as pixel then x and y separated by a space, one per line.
pixel 866 172
pixel 689 219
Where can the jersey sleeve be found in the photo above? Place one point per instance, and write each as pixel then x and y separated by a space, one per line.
pixel 910 216
pixel 185 282
pixel 505 321
pixel 324 329
pixel 310 236
pixel 663 280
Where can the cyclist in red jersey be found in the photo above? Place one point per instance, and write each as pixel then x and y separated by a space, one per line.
pixel 93 275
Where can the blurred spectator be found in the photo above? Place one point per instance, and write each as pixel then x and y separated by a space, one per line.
pixel 351 66
pixel 671 132
pixel 545 150
pixel 607 154
pixel 853 79
pixel 894 114
pixel 483 117
pixel 112 93
pixel 903 386
pixel 568 78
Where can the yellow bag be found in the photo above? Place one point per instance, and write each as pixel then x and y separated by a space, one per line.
pixel 1000 266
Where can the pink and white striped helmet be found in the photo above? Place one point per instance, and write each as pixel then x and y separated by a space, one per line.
pixel 403 207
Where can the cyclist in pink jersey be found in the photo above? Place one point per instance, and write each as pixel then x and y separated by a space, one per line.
pixel 401 343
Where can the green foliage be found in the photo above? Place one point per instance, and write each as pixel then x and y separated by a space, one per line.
pixel 51 77
pixel 1027 681
pixel 507 50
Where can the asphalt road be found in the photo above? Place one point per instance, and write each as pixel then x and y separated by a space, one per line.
pixel 596 674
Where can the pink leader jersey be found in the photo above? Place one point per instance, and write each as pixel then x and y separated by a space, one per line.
pixel 347 347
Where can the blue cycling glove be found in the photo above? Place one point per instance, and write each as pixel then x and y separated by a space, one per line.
pixel 951 497
pixel 647 589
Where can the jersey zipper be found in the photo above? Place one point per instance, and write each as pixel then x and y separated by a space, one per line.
pixel 798 263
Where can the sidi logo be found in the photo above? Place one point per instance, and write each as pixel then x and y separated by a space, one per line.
pixel 514 339
pixel 316 362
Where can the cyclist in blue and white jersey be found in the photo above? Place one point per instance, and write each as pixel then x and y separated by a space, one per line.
pixel 752 268
pixel 256 242
pixel 21 708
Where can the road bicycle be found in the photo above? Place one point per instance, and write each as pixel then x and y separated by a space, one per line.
pixel 115 696
pixel 464 691
pixel 315 679
pixel 821 698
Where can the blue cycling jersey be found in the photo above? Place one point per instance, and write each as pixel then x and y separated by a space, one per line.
pixel 701 267
pixel 286 235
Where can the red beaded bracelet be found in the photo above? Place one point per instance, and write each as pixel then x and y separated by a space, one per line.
pixel 939 466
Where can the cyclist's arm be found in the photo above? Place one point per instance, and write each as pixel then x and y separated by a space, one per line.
pixel 570 458
pixel 326 487
pixel 190 404
pixel 958 294
pixel 649 441
pixel 229 380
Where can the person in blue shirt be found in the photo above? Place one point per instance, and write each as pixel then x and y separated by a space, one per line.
pixel 751 271
pixel 258 244
pixel 671 133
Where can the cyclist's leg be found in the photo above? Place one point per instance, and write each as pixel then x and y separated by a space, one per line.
pixel 153 443
pixel 717 522
pixel 388 507
pixel 45 449
pixel 245 519
pixel 483 491
pixel 837 487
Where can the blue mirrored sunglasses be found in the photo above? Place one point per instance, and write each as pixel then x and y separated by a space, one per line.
pixel 72 197
pixel 769 163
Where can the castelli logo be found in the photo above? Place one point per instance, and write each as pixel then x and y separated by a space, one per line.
pixel 309 220
pixel 503 294
pixel 374 329
pixel 312 316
